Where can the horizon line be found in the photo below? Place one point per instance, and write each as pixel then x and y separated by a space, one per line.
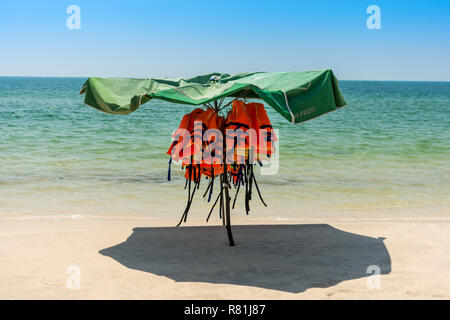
pixel 129 77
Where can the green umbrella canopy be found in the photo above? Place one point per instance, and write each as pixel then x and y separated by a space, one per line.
pixel 297 96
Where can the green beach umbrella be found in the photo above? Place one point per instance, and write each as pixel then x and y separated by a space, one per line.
pixel 297 96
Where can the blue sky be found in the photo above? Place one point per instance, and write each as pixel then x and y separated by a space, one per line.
pixel 184 38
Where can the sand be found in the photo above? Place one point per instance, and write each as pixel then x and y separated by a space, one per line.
pixel 147 259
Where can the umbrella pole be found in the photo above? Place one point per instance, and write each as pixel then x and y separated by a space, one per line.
pixel 227 207
pixel 225 185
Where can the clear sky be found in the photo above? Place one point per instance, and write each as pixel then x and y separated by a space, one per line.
pixel 171 38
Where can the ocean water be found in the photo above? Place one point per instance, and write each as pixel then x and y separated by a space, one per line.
pixel 388 149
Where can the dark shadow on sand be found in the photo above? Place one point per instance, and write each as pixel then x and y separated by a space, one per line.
pixel 290 258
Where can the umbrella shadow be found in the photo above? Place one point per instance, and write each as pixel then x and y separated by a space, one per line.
pixel 291 258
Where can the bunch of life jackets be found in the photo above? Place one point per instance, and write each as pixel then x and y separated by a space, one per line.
pixel 198 145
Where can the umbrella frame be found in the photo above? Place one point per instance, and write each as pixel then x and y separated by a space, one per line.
pixel 225 188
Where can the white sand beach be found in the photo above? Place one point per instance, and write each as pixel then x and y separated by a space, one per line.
pixel 146 259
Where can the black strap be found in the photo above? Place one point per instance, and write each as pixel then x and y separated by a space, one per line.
pixel 247 200
pixel 190 195
pixel 212 183
pixel 259 193
pixel 168 173
pixel 235 197
pixel 215 202
pixel 238 124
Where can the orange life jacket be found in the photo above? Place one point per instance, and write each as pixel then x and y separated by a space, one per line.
pixel 237 127
pixel 180 146
pixel 212 160
pixel 192 150
pixel 263 134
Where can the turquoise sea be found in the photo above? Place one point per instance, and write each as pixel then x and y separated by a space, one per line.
pixel 386 153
